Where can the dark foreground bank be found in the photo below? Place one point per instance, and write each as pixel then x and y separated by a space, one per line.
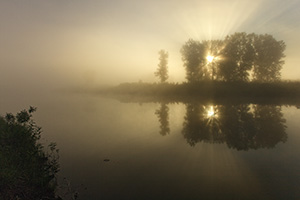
pixel 28 169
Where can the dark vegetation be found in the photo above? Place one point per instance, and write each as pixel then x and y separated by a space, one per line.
pixel 27 169
pixel 239 57
pixel 213 91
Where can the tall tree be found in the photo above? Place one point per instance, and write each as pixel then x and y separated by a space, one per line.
pixel 213 50
pixel 162 70
pixel 227 69
pixel 238 57
pixel 268 58
pixel 193 57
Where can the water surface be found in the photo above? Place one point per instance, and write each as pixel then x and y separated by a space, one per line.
pixel 115 150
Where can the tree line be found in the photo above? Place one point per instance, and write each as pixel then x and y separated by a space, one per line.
pixel 239 57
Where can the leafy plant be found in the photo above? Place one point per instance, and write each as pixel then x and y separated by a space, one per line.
pixel 27 170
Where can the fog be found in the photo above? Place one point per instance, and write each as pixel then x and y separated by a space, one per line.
pixel 52 44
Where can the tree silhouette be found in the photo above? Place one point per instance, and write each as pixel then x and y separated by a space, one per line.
pixel 193 57
pixel 227 70
pixel 268 58
pixel 162 70
pixel 213 49
pixel 239 55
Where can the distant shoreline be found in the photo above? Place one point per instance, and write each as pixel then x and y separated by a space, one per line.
pixel 281 92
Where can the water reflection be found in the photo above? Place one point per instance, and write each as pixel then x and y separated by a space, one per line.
pixel 241 127
pixel 163 117
pixel 201 123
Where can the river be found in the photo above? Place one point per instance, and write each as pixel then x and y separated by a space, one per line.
pixel 111 149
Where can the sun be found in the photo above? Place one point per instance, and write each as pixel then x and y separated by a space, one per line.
pixel 210 58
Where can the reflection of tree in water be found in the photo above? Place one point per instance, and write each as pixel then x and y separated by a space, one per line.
pixel 201 124
pixel 270 126
pixel 238 126
pixel 241 127
pixel 163 117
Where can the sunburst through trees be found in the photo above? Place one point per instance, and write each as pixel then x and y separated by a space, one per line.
pixel 240 57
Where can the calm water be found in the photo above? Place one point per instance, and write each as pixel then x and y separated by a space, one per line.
pixel 169 151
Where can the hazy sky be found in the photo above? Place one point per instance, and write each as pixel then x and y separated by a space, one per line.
pixel 112 41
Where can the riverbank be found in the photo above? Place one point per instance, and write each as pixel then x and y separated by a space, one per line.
pixel 287 92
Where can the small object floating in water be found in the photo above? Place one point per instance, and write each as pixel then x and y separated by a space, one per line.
pixel 106 160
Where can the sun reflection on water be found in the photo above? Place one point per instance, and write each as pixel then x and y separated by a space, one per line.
pixel 211 112
pixel 210 58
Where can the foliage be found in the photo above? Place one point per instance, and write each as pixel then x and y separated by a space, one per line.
pixel 193 57
pixel 162 70
pixel 238 50
pixel 240 57
pixel 210 89
pixel 26 170
pixel 213 48
pixel 268 58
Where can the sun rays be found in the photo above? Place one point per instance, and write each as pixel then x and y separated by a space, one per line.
pixel 215 20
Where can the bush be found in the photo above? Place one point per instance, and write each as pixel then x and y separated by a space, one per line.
pixel 27 171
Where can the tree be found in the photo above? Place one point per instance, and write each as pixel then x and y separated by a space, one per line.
pixel 212 57
pixel 193 57
pixel 268 58
pixel 227 70
pixel 162 70
pixel 234 58
pixel 238 57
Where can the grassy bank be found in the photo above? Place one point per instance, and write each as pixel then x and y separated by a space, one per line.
pixel 281 92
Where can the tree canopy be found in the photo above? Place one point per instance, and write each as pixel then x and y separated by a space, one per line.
pixel 239 57
pixel 268 58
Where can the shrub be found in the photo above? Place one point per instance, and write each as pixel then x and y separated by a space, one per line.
pixel 27 171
